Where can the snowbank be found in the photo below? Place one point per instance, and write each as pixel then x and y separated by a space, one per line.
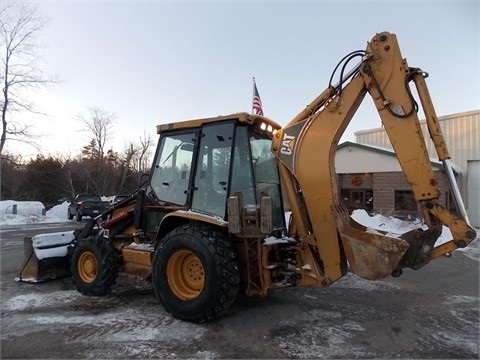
pixel 22 207
pixel 31 212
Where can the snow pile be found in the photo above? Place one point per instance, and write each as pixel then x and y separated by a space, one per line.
pixel 396 227
pixel 52 245
pixel 389 224
pixel 393 226
pixel 31 212
pixel 25 208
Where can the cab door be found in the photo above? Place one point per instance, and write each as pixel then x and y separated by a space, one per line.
pixel 173 167
pixel 213 168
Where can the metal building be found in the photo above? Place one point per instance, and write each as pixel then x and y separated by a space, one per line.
pixel 371 178
pixel 462 135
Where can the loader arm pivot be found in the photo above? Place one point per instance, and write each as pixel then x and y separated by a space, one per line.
pixel 306 150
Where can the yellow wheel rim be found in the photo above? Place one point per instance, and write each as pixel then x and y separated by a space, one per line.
pixel 185 274
pixel 87 267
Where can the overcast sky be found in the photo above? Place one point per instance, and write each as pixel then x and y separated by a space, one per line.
pixel 155 62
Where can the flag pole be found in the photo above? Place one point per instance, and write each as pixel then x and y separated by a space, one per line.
pixel 257 108
pixel 253 95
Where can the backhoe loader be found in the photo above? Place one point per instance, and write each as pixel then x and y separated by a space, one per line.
pixel 209 221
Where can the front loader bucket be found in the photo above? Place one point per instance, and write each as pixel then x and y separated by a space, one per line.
pixel 46 257
pixel 371 254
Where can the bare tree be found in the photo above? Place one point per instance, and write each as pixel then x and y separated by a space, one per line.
pixel 99 123
pixel 19 67
pixel 143 155
pixel 135 160
pixel 128 155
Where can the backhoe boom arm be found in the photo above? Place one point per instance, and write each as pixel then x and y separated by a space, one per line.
pixel 306 150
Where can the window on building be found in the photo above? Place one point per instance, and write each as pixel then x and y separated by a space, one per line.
pixel 404 200
pixel 369 200
pixel 357 199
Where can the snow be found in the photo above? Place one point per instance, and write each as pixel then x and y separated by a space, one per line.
pixel 21 207
pixel 274 240
pixel 396 227
pixel 143 247
pixel 28 213
pixel 33 300
pixel 48 240
pixel 52 245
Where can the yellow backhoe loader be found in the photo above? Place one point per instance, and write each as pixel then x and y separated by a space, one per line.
pixel 209 219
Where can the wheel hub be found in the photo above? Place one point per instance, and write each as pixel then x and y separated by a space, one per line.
pixel 185 273
pixel 87 267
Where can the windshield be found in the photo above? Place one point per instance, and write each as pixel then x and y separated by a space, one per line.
pixel 92 198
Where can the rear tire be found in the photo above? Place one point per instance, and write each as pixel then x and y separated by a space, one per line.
pixel 195 273
pixel 94 266
pixel 69 215
pixel 78 216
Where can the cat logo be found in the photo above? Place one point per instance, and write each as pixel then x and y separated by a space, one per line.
pixel 287 144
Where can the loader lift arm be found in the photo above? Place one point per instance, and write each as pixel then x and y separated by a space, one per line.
pixel 306 150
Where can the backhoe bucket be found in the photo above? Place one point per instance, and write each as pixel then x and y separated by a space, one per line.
pixel 370 254
pixel 46 257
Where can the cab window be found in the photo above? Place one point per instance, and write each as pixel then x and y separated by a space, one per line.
pixel 213 167
pixel 172 169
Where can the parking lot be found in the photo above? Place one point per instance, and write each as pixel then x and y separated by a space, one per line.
pixel 431 313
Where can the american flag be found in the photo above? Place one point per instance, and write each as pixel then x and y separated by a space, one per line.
pixel 256 102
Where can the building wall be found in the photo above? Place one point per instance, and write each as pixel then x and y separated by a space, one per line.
pixel 462 136
pixel 353 159
pixel 349 181
pixel 473 192
pixel 384 185
pixel 461 132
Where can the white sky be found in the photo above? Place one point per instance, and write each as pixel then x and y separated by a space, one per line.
pixel 154 62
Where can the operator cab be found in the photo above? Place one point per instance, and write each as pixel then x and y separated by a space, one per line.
pixel 200 163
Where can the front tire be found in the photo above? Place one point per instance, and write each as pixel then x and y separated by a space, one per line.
pixel 94 266
pixel 78 216
pixel 195 273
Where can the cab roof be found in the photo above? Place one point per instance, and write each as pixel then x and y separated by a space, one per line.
pixel 194 123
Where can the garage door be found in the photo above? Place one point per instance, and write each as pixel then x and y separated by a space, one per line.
pixel 473 192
